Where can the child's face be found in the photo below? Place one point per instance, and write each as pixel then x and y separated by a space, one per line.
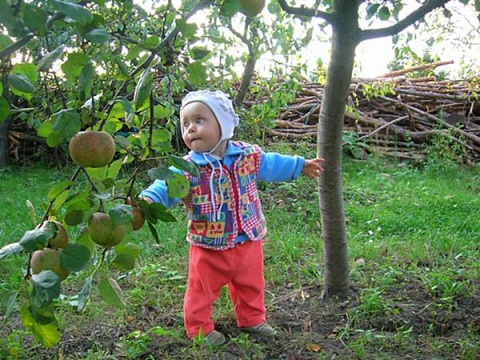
pixel 201 130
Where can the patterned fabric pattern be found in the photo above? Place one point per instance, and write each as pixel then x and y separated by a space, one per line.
pixel 241 209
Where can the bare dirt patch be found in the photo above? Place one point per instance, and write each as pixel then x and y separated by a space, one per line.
pixel 308 328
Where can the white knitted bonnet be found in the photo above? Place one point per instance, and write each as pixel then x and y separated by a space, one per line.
pixel 221 106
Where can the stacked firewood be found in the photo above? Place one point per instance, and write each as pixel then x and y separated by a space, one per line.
pixel 394 115
pixel 391 115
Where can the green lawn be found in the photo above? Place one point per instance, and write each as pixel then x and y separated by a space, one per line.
pixel 413 235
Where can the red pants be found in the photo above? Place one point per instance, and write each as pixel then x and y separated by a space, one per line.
pixel 241 268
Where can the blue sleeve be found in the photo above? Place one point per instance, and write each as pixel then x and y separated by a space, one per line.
pixel 276 167
pixel 158 192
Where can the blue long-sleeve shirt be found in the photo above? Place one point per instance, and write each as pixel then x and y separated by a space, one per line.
pixel 274 167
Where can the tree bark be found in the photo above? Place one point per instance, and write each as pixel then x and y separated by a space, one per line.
pixel 249 70
pixel 4 149
pixel 330 131
pixel 246 78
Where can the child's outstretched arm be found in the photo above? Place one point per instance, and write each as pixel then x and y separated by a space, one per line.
pixel 313 167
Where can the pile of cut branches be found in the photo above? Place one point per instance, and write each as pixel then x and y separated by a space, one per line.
pixel 394 115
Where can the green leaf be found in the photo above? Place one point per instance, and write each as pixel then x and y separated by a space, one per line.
pixel 129 113
pixel 36 239
pixel 10 302
pixel 141 11
pixel 147 210
pixel 124 262
pixel 45 129
pixel 4 109
pixel 58 188
pixel 74 65
pixel 162 112
pixel 108 183
pixel 54 139
pixel 23 80
pixel 117 111
pixel 160 173
pixel 84 294
pixel 133 52
pixel 188 30
pixel 10 249
pixel 113 125
pixel 5 41
pixel 150 42
pixel 9 21
pixel 47 61
pixel 384 13
pixel 36 19
pixel 182 164
pixel 74 217
pixel 197 73
pixel 47 334
pixel 141 96
pixel 73 11
pixel 157 211
pixel 85 80
pixel 85 240
pixel 199 52
pixel 111 293
pixel 59 201
pixel 74 257
pixel 114 168
pixel 97 36
pixel 21 83
pixel 178 187
pixel 27 69
pixel 161 137
pixel 44 315
pixel 372 10
pixel 66 123
pixel 128 248
pixel 121 214
pixel 98 173
pixel 104 196
pixel 122 66
pixel 45 288
pixel 230 8
pixel 77 209
pixel 80 200
pixel 154 232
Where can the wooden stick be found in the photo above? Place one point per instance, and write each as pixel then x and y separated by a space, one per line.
pixel 416 68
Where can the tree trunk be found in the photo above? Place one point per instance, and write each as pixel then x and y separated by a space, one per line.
pixel 332 112
pixel 246 78
pixel 4 149
pixel 252 60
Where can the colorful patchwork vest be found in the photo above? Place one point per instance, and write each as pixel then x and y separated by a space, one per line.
pixel 241 211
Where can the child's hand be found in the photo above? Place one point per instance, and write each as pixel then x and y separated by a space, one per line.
pixel 147 199
pixel 313 167
pixel 131 202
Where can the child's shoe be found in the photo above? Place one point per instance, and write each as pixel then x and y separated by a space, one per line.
pixel 214 338
pixel 262 329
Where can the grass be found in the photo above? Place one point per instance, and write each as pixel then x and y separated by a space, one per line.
pixel 19 186
pixel 410 227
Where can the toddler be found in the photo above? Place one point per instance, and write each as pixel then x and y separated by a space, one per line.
pixel 225 219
